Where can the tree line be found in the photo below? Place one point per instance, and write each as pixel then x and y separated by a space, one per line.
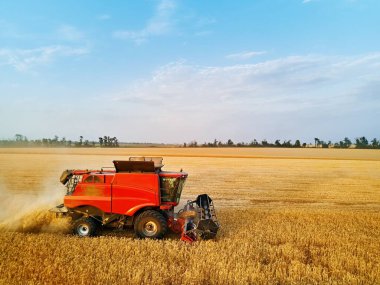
pixel 361 142
pixel 108 141
pixel 22 141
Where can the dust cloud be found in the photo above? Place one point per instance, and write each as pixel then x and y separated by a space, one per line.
pixel 29 212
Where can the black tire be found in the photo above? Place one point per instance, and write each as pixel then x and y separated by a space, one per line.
pixel 150 224
pixel 85 227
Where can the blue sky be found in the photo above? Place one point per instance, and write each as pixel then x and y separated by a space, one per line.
pixel 174 71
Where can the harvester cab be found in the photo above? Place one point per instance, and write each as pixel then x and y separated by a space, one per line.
pixel 138 193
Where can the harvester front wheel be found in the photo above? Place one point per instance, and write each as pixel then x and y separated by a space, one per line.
pixel 85 227
pixel 150 224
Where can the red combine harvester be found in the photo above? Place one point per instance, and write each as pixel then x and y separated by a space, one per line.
pixel 136 193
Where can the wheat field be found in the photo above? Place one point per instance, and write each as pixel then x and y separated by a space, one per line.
pixel 288 216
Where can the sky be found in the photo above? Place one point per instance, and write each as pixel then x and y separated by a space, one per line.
pixel 173 71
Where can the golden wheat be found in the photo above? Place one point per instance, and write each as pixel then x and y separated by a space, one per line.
pixel 284 221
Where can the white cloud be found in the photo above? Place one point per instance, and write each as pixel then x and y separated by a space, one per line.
pixel 70 33
pixel 203 22
pixel 24 59
pixel 104 17
pixel 245 54
pixel 11 31
pixel 286 96
pixel 160 24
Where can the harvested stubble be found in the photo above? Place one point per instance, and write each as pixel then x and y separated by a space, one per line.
pixel 296 221
pixel 254 246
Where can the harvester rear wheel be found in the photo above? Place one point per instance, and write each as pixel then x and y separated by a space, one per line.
pixel 150 224
pixel 85 227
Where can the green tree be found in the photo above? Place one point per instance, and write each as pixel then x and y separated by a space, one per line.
pixel 19 137
pixel 286 143
pixel 347 142
pixel 317 142
pixel 361 142
pixel 375 143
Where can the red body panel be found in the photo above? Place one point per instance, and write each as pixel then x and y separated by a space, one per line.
pixel 121 193
pixel 133 191
pixel 96 194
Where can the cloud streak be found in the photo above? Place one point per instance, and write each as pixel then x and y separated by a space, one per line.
pixel 294 89
pixel 70 33
pixel 160 24
pixel 245 55
pixel 24 59
pixel 104 17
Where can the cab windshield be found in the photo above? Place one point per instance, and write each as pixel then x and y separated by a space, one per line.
pixel 171 188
